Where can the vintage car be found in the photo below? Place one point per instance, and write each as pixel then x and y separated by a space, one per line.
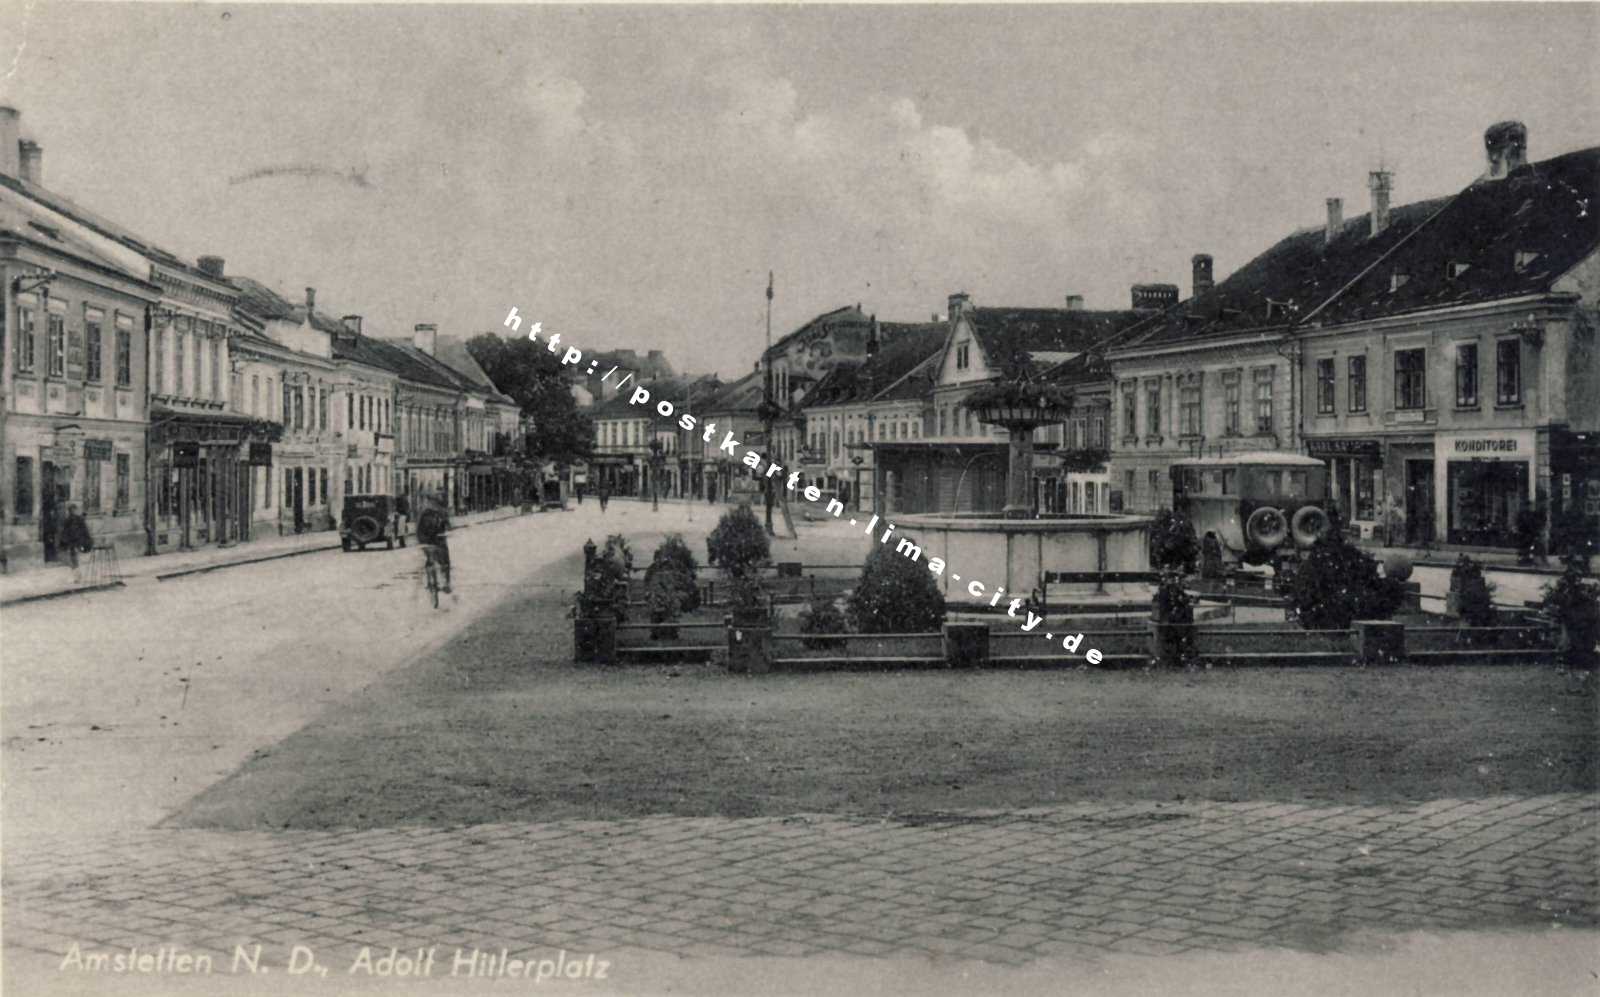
pixel 369 519
pixel 1261 506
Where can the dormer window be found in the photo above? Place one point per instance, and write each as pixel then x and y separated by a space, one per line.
pixel 961 357
pixel 1398 279
pixel 1524 259
pixel 1456 269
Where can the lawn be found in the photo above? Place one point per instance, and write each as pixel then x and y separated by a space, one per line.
pixel 499 725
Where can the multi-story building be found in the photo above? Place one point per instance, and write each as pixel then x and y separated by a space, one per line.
pixel 799 360
pixel 74 415
pixel 1455 381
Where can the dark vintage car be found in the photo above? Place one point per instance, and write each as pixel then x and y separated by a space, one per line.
pixel 369 519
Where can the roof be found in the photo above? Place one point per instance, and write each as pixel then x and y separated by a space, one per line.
pixel 1546 211
pixel 684 392
pixel 848 316
pixel 1043 331
pixel 743 395
pixel 903 349
pixel 103 226
pixel 259 303
pixel 14 219
pixel 452 352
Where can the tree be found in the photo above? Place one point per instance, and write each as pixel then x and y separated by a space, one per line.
pixel 1337 584
pixel 739 544
pixel 895 595
pixel 533 377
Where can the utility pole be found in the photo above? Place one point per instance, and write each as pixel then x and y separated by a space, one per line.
pixel 767 406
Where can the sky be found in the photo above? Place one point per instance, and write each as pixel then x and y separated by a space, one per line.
pixel 628 176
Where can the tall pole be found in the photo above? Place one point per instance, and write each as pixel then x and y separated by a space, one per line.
pixel 766 408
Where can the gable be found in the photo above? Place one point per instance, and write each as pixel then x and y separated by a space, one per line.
pixel 951 370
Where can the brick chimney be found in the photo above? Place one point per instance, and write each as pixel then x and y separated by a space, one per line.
pixel 1154 297
pixel 1074 302
pixel 1335 220
pixel 1506 144
pixel 1200 264
pixel 31 156
pixel 425 337
pixel 211 266
pixel 1380 182
pixel 10 141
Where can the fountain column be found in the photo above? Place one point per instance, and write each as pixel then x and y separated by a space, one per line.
pixel 1019 473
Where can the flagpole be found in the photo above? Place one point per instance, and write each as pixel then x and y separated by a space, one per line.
pixel 766 408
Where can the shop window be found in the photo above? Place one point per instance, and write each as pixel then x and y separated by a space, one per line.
pixel 1325 386
pixel 1410 379
pixel 22 499
pixel 1263 400
pixel 1484 498
pixel 1356 378
pixel 1508 372
pixel 124 358
pixel 58 344
pixel 1466 375
pixel 91 485
pixel 92 346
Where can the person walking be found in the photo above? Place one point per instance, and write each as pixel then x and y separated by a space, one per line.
pixel 75 539
pixel 605 497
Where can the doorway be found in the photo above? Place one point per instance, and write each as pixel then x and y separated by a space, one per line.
pixel 1419 502
pixel 297 498
pixel 54 493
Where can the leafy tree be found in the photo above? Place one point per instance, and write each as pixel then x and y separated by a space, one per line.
pixel 739 544
pixel 532 376
pixel 1173 545
pixel 895 595
pixel 674 561
pixel 1337 584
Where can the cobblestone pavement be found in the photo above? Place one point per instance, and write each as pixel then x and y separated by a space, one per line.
pixel 1063 882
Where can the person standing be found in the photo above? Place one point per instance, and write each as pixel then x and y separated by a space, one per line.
pixel 605 496
pixel 75 538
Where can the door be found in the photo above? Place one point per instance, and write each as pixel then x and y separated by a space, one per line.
pixel 1419 501
pixel 298 496
pixel 51 507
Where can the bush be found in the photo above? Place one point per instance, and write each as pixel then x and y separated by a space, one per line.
pixel 739 544
pixel 673 559
pixel 822 618
pixel 1173 544
pixel 1471 596
pixel 663 595
pixel 1337 584
pixel 603 579
pixel 895 595
pixel 1172 604
pixel 1573 600
pixel 617 546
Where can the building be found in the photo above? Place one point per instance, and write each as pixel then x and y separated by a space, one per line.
pixel 800 359
pixel 1454 381
pixel 74 415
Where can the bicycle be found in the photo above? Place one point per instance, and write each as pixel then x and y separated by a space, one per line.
pixel 430 571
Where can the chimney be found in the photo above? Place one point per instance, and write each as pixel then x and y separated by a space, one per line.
pixel 1506 144
pixel 1380 182
pixel 959 302
pixel 1154 297
pixel 1074 302
pixel 211 266
pixel 31 155
pixel 350 327
pixel 1335 220
pixel 1201 267
pixel 425 336
pixel 10 139
pixel 311 301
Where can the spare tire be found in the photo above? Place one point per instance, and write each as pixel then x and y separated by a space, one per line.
pixel 1309 525
pixel 365 529
pixel 1266 527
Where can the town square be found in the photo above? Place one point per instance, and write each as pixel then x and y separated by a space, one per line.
pixel 799 499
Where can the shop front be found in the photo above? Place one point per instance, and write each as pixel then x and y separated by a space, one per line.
pixel 1575 476
pixel 206 477
pixel 1355 479
pixel 1483 479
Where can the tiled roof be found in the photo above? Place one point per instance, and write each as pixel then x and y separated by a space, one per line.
pixel 1004 331
pixel 903 348
pixel 96 223
pixel 15 219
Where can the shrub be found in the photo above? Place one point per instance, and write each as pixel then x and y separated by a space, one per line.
pixel 1173 544
pixel 663 595
pixel 1573 600
pixel 895 595
pixel 617 546
pixel 739 544
pixel 822 619
pixel 1471 594
pixel 673 559
pixel 1172 604
pixel 1336 584
pixel 605 575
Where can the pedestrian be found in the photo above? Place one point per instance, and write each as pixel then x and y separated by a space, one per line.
pixel 580 492
pixel 605 497
pixel 75 539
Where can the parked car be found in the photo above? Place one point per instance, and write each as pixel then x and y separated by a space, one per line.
pixel 369 519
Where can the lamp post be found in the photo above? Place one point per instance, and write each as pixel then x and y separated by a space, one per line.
pixel 767 404
pixel 856 459
pixel 657 462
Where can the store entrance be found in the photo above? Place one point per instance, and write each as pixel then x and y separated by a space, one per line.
pixel 1419 501
pixel 1484 498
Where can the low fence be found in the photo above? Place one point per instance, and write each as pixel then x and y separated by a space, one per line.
pixel 793 652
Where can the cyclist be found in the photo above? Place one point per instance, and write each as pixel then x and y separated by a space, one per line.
pixel 432 526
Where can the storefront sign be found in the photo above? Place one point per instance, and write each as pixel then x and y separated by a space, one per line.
pixel 260 454
pixel 1515 445
pixel 97 449
pixel 1342 448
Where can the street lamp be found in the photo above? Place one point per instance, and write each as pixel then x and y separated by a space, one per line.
pixel 657 462
pixel 856 459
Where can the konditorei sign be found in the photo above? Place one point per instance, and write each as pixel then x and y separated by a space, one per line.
pixel 1486 445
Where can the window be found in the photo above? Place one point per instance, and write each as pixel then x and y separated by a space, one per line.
pixel 199 365
pixel 91 485
pixel 1264 401
pixel 92 346
pixel 123 482
pixel 1410 381
pixel 1231 401
pixel 1508 372
pixel 58 344
pixel 1130 426
pixel 961 357
pixel 255 392
pixel 124 358
pixel 1466 375
pixel 22 500
pixel 1097 432
pixel 1128 487
pixel 322 409
pixel 25 339
pixel 350 411
pixel 1325 386
pixel 177 361
pixel 1189 405
pixel 1156 499
pixel 322 487
pixel 1356 378
pixel 1152 408
pixel 161 359
pixel 944 414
